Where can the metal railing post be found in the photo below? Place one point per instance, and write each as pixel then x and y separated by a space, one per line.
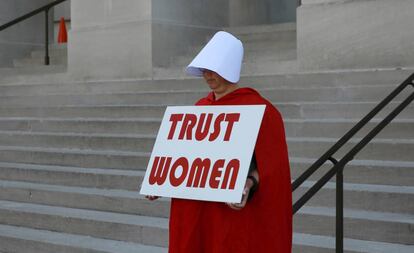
pixel 47 60
pixel 339 244
pixel 339 235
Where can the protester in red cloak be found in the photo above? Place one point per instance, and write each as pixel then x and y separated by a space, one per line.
pixel 264 224
pixel 261 224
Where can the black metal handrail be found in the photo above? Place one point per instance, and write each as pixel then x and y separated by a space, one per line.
pixel 45 9
pixel 338 167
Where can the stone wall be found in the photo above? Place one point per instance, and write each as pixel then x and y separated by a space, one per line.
pixel 341 34
pixel 179 25
pixel 247 12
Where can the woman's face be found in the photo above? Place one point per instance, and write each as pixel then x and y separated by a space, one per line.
pixel 216 83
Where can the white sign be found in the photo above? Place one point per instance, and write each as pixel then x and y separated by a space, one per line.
pixel 203 152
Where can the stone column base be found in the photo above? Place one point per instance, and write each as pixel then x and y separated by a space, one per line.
pixel 342 34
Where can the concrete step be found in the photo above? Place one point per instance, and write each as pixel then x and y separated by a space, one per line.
pixel 181 98
pixel 270 45
pixel 298 110
pixel 270 53
pixel 331 94
pixel 108 158
pixel 190 86
pixel 72 176
pixel 35 74
pixel 325 244
pixel 380 198
pixel 336 128
pixel 264 32
pixel 358 224
pixel 295 80
pixel 308 147
pixel 377 149
pixel 344 110
pixel 357 172
pixel 279 42
pixel 56 75
pixel 396 173
pixel 99 87
pixel 54 50
pixel 83 125
pixel 106 225
pixel 22 240
pixel 253 52
pixel 315 249
pixel 75 157
pixel 109 200
pixel 17 75
pixel 57 55
pixel 238 30
pixel 331 128
pixel 258 37
pixel 313 77
pixel 38 61
pixel 265 67
pixel 254 67
pixel 112 111
pixel 143 143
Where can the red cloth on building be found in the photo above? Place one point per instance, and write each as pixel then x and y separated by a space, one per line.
pixel 265 223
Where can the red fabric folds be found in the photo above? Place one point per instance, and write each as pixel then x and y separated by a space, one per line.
pixel 265 224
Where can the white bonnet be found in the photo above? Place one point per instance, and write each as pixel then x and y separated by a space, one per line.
pixel 223 54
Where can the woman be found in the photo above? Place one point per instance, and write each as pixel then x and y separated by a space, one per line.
pixel 262 222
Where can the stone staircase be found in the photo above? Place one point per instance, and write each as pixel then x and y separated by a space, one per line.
pixel 73 154
pixel 58 55
pixel 31 69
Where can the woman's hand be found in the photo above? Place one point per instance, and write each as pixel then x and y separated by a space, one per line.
pixel 151 197
pixel 239 206
pixel 247 187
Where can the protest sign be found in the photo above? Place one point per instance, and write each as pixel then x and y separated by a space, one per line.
pixel 203 152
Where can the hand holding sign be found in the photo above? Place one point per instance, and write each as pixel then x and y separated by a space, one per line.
pixel 250 184
pixel 151 197
pixel 203 152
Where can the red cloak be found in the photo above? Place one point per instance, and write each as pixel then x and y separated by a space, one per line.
pixel 265 223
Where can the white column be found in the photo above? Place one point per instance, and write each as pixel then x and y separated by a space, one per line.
pixel 110 39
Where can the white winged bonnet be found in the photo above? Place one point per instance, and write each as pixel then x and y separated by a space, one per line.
pixel 223 54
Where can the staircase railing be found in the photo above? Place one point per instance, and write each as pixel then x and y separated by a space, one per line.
pixel 44 9
pixel 338 166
